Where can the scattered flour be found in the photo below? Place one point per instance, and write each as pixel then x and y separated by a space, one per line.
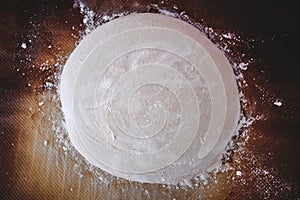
pixel 24 45
pixel 45 142
pixel 243 66
pixel 228 35
pixel 278 103
pixel 238 173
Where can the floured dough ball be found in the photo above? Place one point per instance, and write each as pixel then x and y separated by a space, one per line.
pixel 149 98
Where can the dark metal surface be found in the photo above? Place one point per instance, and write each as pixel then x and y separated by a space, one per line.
pixel 274 140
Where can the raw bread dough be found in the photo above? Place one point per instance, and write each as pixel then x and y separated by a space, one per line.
pixel 149 98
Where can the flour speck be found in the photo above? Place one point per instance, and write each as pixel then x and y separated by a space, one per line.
pixel 24 45
pixel 277 103
pixel 238 173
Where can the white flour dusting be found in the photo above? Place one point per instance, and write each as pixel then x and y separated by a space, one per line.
pixel 24 45
pixel 278 103
pixel 88 18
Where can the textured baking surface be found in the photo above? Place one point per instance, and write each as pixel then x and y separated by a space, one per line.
pixel 38 35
